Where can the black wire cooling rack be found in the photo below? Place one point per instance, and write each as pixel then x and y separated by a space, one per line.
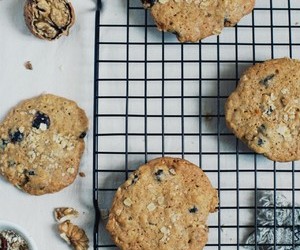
pixel 156 97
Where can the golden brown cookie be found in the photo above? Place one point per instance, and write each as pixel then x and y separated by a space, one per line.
pixel 236 10
pixel 264 110
pixel 41 144
pixel 193 20
pixel 49 19
pixel 163 205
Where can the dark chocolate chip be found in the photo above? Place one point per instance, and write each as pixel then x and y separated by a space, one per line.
pixel 270 110
pixel 31 172
pixel 135 179
pixel 266 81
pixel 158 174
pixel 26 178
pixel 82 135
pixel 3 143
pixel 11 163
pixel 227 21
pixel 193 210
pixel 149 2
pixel 39 119
pixel 262 129
pixel 260 142
pixel 16 136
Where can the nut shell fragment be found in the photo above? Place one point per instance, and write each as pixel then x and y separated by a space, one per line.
pixel 49 19
pixel 73 235
pixel 65 213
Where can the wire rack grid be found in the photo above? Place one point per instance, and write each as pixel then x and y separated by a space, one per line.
pixel 157 97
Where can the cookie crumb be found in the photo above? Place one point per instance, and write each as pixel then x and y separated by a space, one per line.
pixel 208 117
pixel 81 174
pixel 28 65
pixel 104 214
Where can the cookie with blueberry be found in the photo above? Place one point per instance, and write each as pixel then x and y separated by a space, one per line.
pixel 164 204
pixel 264 110
pixel 41 144
pixel 193 20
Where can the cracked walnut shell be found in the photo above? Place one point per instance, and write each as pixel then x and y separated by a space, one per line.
pixel 49 19
pixel 73 235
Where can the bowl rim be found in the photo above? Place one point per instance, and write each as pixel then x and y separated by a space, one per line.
pixel 7 225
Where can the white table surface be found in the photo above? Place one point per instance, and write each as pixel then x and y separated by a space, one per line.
pixel 63 67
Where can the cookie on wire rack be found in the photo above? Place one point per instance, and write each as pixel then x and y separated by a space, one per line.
pixel 193 20
pixel 41 144
pixel 235 10
pixel 163 205
pixel 264 110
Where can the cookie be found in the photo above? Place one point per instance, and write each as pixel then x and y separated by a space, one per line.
pixel 41 143
pixel 49 19
pixel 264 110
pixel 163 205
pixel 235 10
pixel 193 20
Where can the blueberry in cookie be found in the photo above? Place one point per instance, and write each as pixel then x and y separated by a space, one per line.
pixel 264 110
pixel 164 204
pixel 41 144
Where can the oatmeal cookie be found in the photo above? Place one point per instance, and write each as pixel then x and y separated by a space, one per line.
pixel 264 110
pixel 41 144
pixel 163 205
pixel 193 20
pixel 235 10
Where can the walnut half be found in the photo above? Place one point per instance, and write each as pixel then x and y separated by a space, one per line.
pixel 65 213
pixel 73 235
pixel 49 19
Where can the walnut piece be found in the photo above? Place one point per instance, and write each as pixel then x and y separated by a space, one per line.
pixel 65 213
pixel 49 19
pixel 73 235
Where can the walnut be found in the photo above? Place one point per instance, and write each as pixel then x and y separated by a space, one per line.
pixel 65 213
pixel 73 235
pixel 49 19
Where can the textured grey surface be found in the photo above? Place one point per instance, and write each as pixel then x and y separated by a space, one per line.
pixel 275 221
